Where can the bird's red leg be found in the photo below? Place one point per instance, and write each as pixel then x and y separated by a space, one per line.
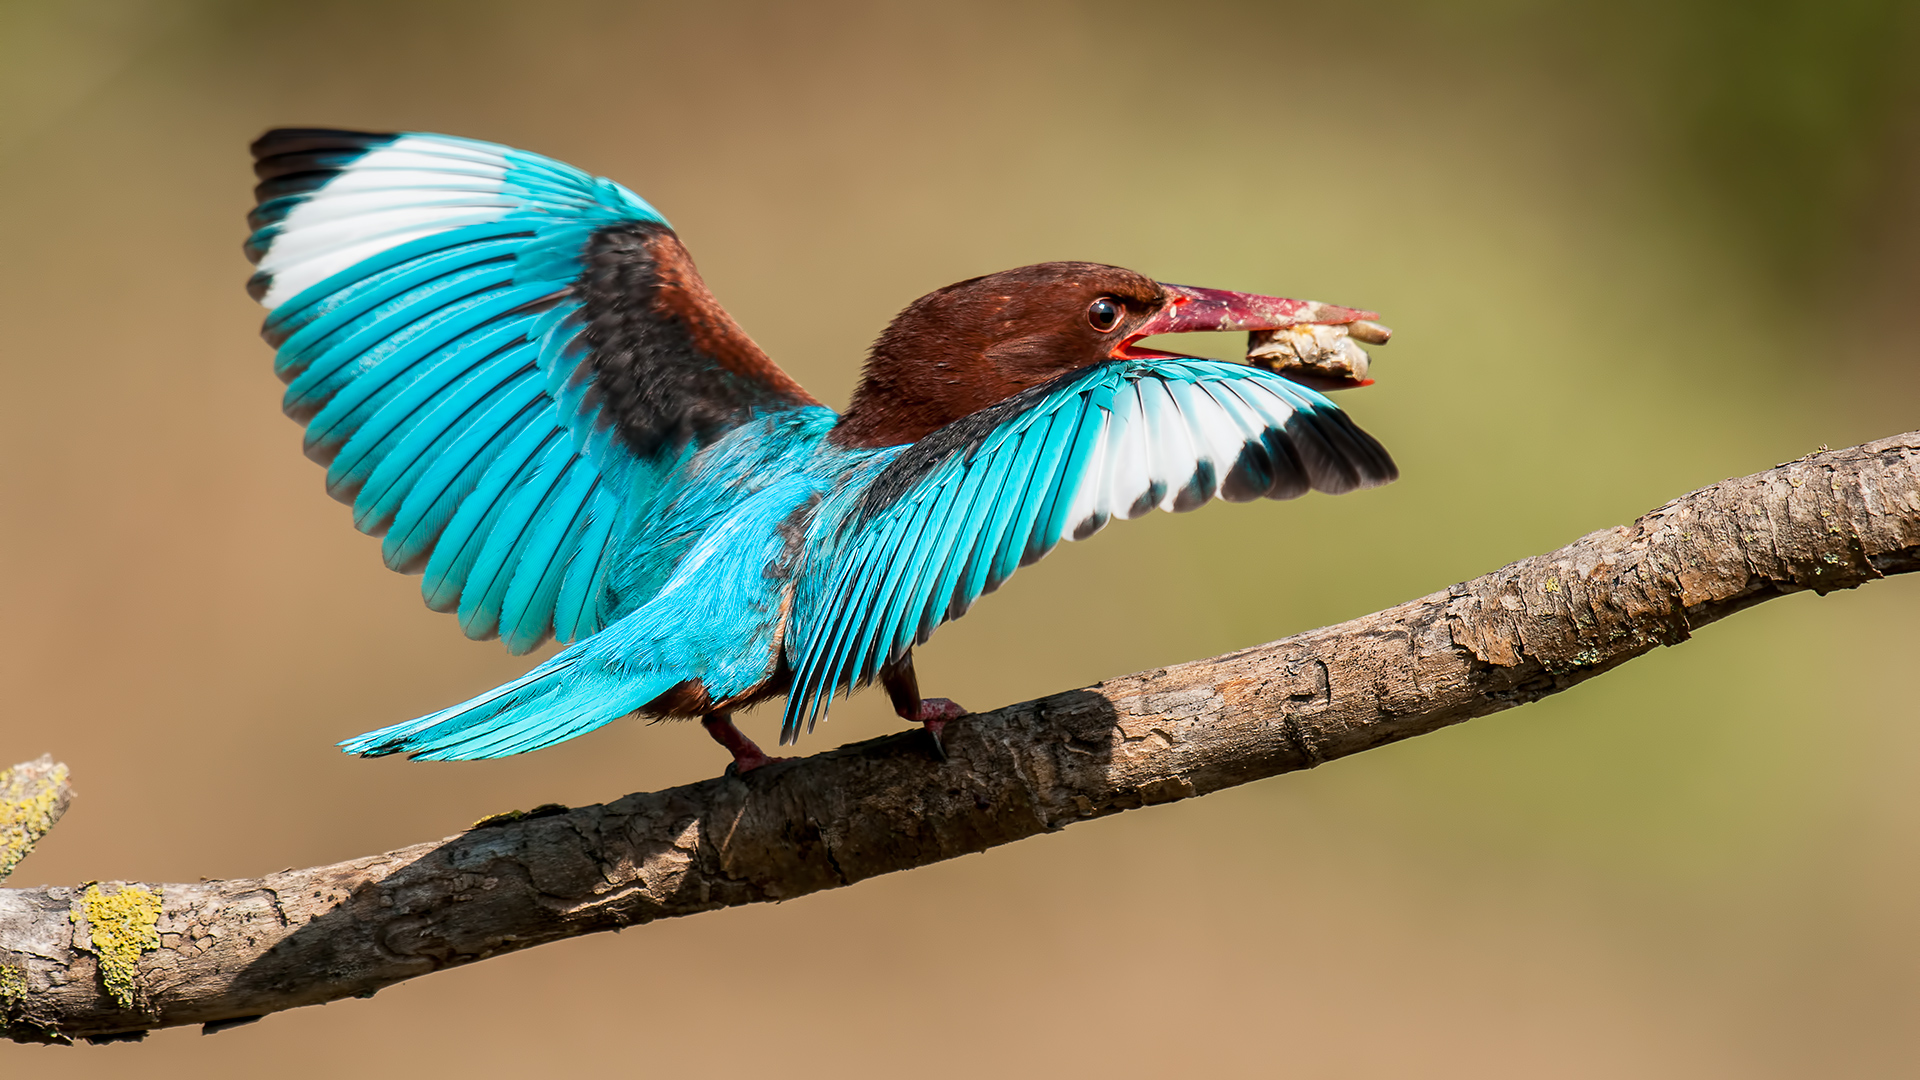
pixel 903 689
pixel 746 756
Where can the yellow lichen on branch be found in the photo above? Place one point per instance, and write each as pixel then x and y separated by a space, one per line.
pixel 121 925
pixel 33 795
pixel 13 989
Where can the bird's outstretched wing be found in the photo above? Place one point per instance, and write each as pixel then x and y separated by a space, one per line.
pixel 952 516
pixel 500 359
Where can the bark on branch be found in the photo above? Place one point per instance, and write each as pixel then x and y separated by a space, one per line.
pixel 116 961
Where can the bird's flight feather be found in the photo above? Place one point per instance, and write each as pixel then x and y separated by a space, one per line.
pixel 428 297
pixel 953 516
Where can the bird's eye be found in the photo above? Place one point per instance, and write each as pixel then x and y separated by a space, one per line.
pixel 1104 313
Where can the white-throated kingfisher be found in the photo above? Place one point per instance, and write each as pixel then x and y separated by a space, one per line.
pixel 515 376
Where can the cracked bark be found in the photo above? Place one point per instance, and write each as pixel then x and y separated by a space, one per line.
pixel 235 950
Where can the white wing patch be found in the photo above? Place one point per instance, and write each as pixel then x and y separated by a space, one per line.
pixel 1173 445
pixel 410 188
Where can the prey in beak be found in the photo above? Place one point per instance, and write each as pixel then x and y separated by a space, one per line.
pixel 1307 341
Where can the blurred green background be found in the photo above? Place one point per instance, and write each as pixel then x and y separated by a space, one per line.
pixel 1629 249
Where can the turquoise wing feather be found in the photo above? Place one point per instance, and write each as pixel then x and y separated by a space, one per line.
pixel 953 516
pixel 423 295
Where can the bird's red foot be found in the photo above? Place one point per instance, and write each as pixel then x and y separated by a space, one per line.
pixel 747 756
pixel 933 713
pixel 903 689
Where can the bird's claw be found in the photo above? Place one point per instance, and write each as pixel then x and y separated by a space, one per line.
pixel 933 714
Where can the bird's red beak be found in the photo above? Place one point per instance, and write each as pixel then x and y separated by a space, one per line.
pixel 1188 309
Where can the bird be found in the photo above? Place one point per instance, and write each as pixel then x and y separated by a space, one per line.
pixel 517 379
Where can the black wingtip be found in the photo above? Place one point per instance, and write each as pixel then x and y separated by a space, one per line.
pixel 296 140
pixel 285 154
pixel 1335 455
pixel 1371 463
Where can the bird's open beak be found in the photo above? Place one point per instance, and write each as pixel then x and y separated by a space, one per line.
pixel 1188 309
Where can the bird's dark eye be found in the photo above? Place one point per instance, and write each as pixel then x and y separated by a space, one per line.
pixel 1105 313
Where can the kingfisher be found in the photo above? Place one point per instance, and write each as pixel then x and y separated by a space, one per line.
pixel 515 376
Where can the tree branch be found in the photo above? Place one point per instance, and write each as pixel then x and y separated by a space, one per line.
pixel 33 796
pixel 104 963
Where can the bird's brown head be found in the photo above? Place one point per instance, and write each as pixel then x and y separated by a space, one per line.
pixel 960 349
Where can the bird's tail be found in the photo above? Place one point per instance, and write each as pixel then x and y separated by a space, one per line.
pixel 568 695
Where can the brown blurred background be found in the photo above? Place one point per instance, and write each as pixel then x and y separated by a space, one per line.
pixel 1629 249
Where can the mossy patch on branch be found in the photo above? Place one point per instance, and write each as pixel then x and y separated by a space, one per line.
pixel 121 925
pixel 509 817
pixel 13 989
